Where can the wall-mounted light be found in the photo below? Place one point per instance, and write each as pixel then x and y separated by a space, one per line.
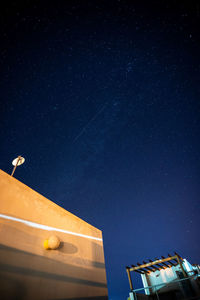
pixel 52 243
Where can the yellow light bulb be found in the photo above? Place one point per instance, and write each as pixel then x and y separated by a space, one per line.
pixel 46 244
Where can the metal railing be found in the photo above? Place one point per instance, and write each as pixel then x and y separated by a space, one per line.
pixel 185 288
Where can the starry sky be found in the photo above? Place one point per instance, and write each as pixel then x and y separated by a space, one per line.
pixel 102 100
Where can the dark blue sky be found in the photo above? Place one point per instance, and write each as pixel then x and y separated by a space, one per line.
pixel 102 100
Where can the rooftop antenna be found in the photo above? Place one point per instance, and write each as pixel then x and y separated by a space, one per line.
pixel 17 162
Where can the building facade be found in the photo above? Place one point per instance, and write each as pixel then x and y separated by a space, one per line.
pixel 30 267
pixel 166 278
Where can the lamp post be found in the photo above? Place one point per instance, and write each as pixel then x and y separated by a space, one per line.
pixel 17 162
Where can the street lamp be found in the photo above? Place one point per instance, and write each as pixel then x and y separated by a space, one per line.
pixel 17 162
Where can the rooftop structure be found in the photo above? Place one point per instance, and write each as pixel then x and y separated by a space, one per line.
pixel 170 277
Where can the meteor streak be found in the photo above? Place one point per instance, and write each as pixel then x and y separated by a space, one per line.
pixel 90 121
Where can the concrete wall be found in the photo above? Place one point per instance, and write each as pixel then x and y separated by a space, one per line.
pixel 164 276
pixel 76 270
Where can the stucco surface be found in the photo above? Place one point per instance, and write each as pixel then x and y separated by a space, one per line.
pixel 76 270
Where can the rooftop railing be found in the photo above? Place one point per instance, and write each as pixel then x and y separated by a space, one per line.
pixel 185 288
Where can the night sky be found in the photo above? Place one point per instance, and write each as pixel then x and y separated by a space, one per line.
pixel 102 100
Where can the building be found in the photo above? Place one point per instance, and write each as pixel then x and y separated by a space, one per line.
pixel 45 251
pixel 170 277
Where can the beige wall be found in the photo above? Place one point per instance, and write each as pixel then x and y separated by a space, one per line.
pixel 76 270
